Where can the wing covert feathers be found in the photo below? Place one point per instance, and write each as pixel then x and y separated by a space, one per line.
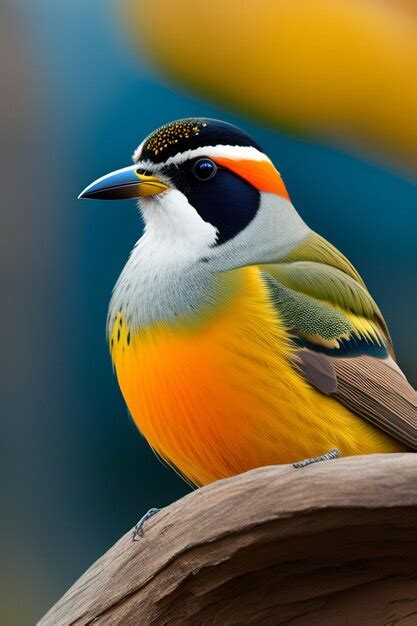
pixel 317 249
pixel 344 339
pixel 317 271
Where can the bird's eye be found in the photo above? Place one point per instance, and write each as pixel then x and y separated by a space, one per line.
pixel 204 169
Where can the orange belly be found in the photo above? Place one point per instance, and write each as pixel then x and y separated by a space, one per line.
pixel 217 396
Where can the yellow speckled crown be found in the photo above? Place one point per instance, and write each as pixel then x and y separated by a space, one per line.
pixel 189 134
pixel 170 134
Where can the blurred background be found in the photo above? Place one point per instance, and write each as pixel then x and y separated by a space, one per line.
pixel 328 88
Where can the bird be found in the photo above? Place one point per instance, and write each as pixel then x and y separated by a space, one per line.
pixel 240 337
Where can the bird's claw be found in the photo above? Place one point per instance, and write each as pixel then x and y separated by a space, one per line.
pixel 138 529
pixel 331 454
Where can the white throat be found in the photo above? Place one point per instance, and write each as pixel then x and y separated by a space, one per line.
pixel 172 269
pixel 164 276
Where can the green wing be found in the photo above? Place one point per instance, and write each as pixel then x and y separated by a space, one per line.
pixel 324 301
pixel 343 339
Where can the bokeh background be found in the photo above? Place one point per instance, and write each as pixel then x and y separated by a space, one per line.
pixel 328 88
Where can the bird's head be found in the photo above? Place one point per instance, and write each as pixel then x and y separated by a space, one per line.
pixel 207 192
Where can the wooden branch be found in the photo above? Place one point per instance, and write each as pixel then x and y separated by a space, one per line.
pixel 331 543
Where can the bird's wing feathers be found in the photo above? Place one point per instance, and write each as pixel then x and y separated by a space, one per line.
pixel 323 324
pixel 318 271
pixel 372 388
pixel 344 342
pixel 318 250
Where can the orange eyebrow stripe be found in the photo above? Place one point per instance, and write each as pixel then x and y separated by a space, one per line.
pixel 260 174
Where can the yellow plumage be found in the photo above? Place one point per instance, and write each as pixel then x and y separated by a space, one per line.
pixel 240 337
pixel 216 394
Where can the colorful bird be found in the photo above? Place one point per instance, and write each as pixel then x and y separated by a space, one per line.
pixel 240 337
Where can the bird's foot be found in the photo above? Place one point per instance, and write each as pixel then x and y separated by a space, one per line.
pixel 138 529
pixel 331 454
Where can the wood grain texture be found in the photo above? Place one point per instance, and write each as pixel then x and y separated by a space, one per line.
pixel 331 543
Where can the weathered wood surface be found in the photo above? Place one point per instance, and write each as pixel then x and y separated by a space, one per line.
pixel 331 543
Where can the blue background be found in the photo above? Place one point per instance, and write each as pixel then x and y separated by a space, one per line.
pixel 77 102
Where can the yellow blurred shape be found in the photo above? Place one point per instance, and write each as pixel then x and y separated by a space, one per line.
pixel 335 68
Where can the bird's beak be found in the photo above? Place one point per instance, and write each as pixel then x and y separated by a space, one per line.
pixel 123 184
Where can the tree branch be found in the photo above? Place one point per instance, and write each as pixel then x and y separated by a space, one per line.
pixel 331 543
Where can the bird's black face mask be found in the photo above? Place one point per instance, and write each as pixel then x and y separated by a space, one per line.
pixel 219 196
